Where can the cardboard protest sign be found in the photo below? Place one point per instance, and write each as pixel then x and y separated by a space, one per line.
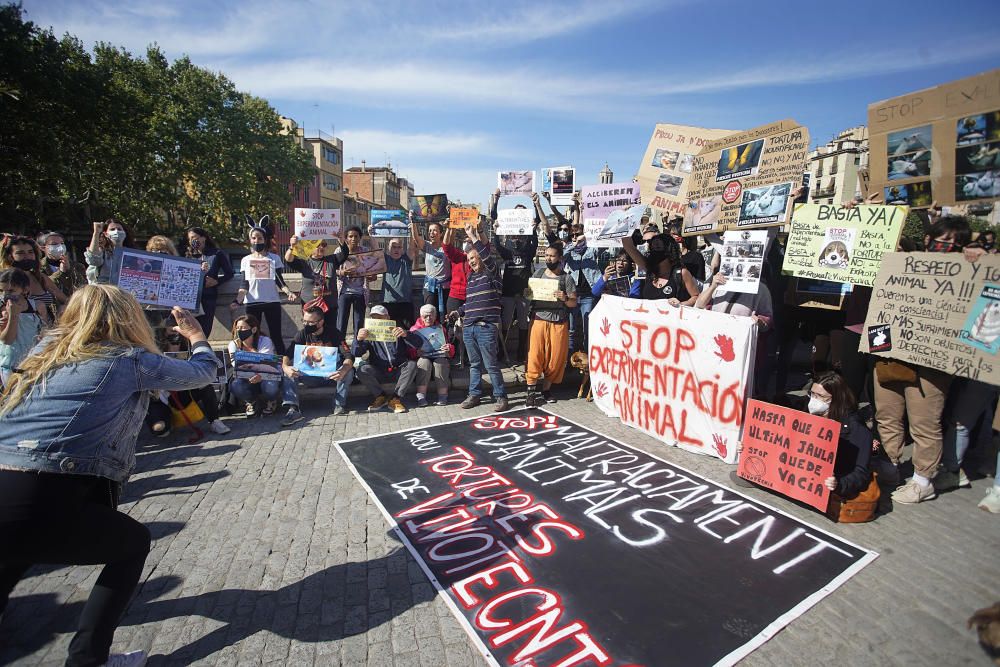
pixel 921 309
pixel 515 222
pixel 430 208
pixel 622 223
pixel 561 185
pixel 367 263
pixel 745 180
pixel 516 182
pixel 316 360
pixel 389 223
pixel 158 280
pixel 460 216
pixel 666 166
pixel 542 289
pixel 600 201
pixel 317 223
pixel 380 330
pixel 433 341
pixel 840 244
pixel 789 451
pixel 742 260
pixel 941 143
pixel 249 364
pixel 678 374
pixel 584 544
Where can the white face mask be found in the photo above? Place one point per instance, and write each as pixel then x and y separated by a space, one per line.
pixel 817 406
pixel 116 235
pixel 56 251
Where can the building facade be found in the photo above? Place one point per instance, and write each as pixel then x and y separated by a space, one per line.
pixel 376 184
pixel 328 154
pixel 839 170
pixel 405 193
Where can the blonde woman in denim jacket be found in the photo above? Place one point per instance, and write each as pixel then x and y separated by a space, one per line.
pixel 69 422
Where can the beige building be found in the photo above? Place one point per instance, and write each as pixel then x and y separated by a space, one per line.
pixel 839 170
pixel 405 193
pixel 328 153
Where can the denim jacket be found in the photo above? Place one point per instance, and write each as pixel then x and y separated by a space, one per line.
pixel 85 418
pixel 581 258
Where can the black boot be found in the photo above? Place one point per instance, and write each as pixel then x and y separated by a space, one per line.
pixel 533 400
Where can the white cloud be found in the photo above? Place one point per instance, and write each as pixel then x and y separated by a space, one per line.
pixel 371 145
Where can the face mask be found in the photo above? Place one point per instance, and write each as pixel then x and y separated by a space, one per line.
pixel 818 407
pixel 245 334
pixel 26 264
pixel 564 236
pixel 942 246
pixel 308 329
pixel 117 235
pixel 56 251
pixel 195 245
pixel 553 266
pixel 259 247
pixel 643 249
pixel 987 246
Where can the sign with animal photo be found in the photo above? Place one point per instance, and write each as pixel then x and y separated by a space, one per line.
pixel 252 364
pixel 305 249
pixel 621 223
pixel 368 263
pixel 516 182
pixel 461 216
pixel 515 222
pixel 561 185
pixel 430 208
pixel 316 360
pixel 554 544
pixel 939 144
pixel 789 451
pixel 667 165
pixel 261 268
pixel 678 374
pixel 389 223
pixel 157 280
pixel 433 341
pixel 839 244
pixel 600 201
pixel 937 310
pixel 746 180
pixel 742 260
pixel 317 223
pixel 380 331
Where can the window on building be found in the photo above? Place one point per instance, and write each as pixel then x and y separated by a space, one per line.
pixel 833 167
pixel 819 168
pixel 330 155
pixel 331 182
pixel 305 194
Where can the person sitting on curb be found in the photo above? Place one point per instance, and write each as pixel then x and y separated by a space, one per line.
pixel 481 315
pixel 386 362
pixel 432 359
pixel 317 332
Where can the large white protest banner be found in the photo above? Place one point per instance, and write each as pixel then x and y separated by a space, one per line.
pixel 678 374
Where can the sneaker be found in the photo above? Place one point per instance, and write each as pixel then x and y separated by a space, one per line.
pixel 251 410
pixel 547 397
pixel 946 480
pixel 270 407
pixel 397 406
pixel 131 659
pixel 502 405
pixel 532 400
pixel 293 415
pixel 339 411
pixel 218 427
pixel 470 402
pixel 442 399
pixel 913 492
pixel 991 503
pixel 422 402
pixel 379 403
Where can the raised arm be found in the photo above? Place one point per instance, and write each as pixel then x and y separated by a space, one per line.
pixel 494 202
pixel 628 245
pixel 415 237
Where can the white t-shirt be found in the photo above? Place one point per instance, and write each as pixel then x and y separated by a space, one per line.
pixel 264 346
pixel 259 272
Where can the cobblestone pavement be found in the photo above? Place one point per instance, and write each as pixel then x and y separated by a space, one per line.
pixel 268 551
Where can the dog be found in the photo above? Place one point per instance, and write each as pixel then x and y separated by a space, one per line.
pixel 835 255
pixel 986 621
pixel 580 362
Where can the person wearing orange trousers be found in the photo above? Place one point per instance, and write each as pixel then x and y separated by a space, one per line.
pixel 549 340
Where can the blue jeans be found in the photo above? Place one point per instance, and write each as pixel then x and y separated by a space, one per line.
pixel 579 323
pixel 481 344
pixel 344 304
pixel 246 392
pixel 290 393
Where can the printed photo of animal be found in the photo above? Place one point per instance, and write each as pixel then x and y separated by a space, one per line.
pixel 738 159
pixel 764 201
pixel 835 255
pixel 984 185
pixel 908 166
pixel 981 157
pixel 910 140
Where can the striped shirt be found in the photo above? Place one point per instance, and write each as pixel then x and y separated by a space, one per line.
pixel 482 296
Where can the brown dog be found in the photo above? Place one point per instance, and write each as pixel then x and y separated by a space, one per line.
pixel 986 621
pixel 580 362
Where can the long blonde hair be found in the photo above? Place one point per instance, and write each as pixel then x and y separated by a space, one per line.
pixel 161 244
pixel 99 321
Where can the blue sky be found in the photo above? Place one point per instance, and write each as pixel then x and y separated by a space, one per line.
pixel 452 92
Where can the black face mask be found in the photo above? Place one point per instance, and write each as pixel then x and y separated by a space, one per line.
pixel 245 334
pixel 259 247
pixel 26 264
pixel 309 329
pixel 553 266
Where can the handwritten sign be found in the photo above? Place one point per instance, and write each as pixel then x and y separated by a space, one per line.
pixel 158 280
pixel 600 201
pixel 677 374
pixel 317 223
pixel 316 360
pixel 665 170
pixel 582 535
pixel 621 223
pixel 789 451
pixel 941 143
pixel 745 180
pixel 515 222
pixel 516 182
pixel 921 309
pixel 367 263
pixel 542 289
pixel 742 260
pixel 460 216
pixel 843 245
pixel 380 330
pixel 389 223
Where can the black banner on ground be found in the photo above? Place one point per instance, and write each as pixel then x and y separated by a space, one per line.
pixel 560 546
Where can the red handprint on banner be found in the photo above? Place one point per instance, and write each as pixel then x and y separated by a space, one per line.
pixel 605 326
pixel 719 447
pixel 725 344
pixel 602 390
